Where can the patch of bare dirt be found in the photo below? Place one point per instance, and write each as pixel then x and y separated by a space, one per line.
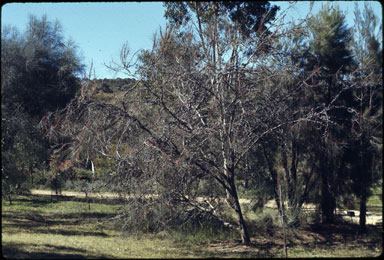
pixel 100 195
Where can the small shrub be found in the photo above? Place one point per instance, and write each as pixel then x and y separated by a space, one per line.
pixel 204 233
pixel 312 217
pixel 264 221
pixel 181 224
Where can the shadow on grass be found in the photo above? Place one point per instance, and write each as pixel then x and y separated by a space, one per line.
pixel 334 234
pixel 19 251
pixel 57 223
pixel 340 237
pixel 234 248
pixel 81 215
pixel 54 219
pixel 42 200
pixel 32 201
pixel 60 227
pixel 64 232
pixel 42 229
pixel 337 237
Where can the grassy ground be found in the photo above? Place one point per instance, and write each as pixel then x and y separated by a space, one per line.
pixel 375 201
pixel 37 227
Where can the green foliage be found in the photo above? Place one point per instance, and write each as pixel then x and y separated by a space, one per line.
pixel 330 39
pixel 38 67
pixel 208 187
pixel 111 85
pixel 82 173
pixel 206 119
pixel 204 233
pixel 251 16
pixel 22 151
pixel 265 221
pixel 41 176
pixel 39 73
pixel 365 146
pixel 328 54
pixel 104 166
pixel 367 38
pixel 109 91
pixel 375 201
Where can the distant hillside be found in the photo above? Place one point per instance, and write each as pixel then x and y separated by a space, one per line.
pixel 111 85
pixel 108 90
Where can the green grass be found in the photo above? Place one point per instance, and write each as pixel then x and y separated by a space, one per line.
pixel 375 201
pixel 202 235
pixel 37 227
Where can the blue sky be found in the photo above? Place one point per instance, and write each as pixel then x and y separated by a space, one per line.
pixel 100 29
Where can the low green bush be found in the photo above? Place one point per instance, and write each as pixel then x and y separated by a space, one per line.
pixel 203 233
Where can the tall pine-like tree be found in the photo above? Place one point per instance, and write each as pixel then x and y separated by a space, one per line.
pixel 366 132
pixel 328 52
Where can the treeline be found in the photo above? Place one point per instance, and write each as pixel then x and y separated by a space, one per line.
pixel 40 73
pixel 230 101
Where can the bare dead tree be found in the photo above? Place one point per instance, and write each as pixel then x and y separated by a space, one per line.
pixel 201 104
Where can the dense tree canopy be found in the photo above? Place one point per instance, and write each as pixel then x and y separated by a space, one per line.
pixel 328 50
pixel 39 74
pixel 39 68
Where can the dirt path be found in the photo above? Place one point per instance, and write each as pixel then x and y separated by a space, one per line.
pixel 76 194
pixel 372 217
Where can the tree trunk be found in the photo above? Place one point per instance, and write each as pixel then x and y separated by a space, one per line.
pixel 366 169
pixel 290 183
pixel 245 238
pixel 233 201
pixel 328 202
pixel 273 174
pixel 31 173
pixel 365 180
pixel 363 212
